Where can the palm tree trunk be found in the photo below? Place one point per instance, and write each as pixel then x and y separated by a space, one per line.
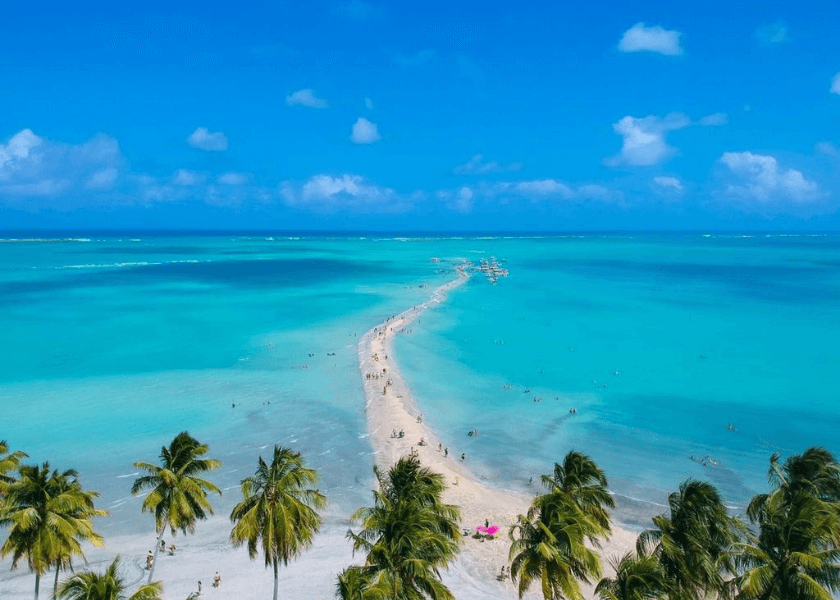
pixel 275 578
pixel 55 585
pixel 37 583
pixel 157 547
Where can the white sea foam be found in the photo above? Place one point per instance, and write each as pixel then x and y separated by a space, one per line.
pixel 120 265
pixel 42 240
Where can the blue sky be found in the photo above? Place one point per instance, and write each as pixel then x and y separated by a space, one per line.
pixel 430 115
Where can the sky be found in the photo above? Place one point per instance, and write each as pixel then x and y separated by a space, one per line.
pixel 457 115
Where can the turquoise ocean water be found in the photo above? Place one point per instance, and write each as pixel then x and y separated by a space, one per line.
pixel 112 344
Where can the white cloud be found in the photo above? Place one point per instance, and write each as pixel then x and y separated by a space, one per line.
pixel 348 192
pixel 640 38
pixel 414 60
pixel 103 180
pixel 540 188
pixel 31 166
pixel 18 148
pixel 364 132
pixel 460 200
pixel 368 104
pixel 828 149
pixel 36 172
pixel 714 120
pixel 594 191
pixel 776 33
pixel 537 190
pixel 477 165
pixel 759 179
pixel 644 139
pixel 233 178
pixel 204 139
pixel 835 84
pixel 188 178
pixel 669 184
pixel 305 97
pixel 226 194
pixel 227 189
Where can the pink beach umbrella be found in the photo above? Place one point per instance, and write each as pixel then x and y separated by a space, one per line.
pixel 481 529
pixel 492 530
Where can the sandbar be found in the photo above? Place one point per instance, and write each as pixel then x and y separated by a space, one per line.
pixel 390 406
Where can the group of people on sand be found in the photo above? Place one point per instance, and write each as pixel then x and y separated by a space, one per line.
pixel 150 556
pixel 401 433
pixel 150 562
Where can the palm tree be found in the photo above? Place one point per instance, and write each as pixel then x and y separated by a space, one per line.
pixel 48 513
pixel 636 578
pixel 585 484
pixel 795 555
pixel 548 547
pixel 9 461
pixel 353 584
pixel 88 585
pixel 815 472
pixel 692 544
pixel 409 535
pixel 277 513
pixel 78 527
pixel 178 496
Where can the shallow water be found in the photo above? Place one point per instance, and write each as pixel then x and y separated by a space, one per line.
pixel 113 345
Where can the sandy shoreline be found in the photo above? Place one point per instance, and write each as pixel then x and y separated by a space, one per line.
pixel 390 406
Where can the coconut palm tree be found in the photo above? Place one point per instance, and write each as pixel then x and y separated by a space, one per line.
pixel 9 461
pixel 409 535
pixel 636 578
pixel 48 514
pixel 548 546
pixel 277 514
pixel 585 484
pixel 354 584
pixel 795 555
pixel 692 544
pixel 178 493
pixel 78 527
pixel 815 472
pixel 109 585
